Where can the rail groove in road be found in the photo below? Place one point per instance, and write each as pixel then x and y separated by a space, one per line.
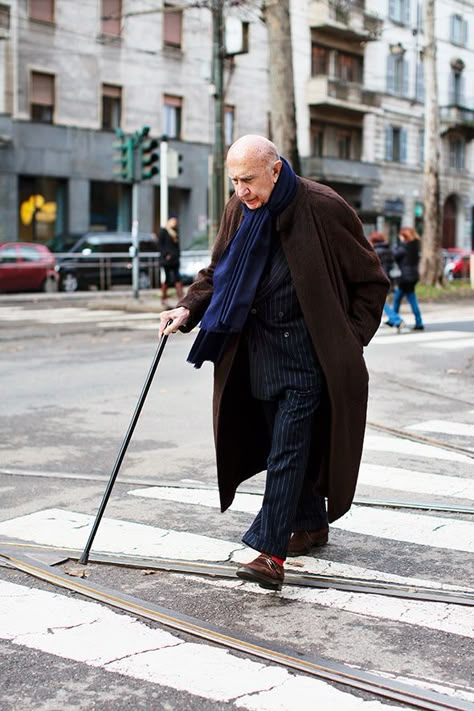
pixel 335 672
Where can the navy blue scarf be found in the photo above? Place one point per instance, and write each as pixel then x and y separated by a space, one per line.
pixel 239 270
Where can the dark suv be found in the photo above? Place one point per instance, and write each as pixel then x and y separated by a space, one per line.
pixel 103 260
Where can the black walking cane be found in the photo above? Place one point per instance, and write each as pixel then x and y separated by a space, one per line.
pixel 85 554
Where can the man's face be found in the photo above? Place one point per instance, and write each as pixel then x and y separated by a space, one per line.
pixel 252 179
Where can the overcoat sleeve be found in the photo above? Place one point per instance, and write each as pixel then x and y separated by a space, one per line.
pixel 199 294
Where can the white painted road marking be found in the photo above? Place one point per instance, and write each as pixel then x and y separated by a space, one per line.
pixel 444 427
pixel 380 443
pixel 409 480
pixel 90 633
pixel 423 337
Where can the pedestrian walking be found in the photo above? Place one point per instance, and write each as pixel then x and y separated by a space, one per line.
pixel 293 293
pixel 168 244
pixel 385 254
pixel 407 256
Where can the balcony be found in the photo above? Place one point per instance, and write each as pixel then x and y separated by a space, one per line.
pixel 459 119
pixel 336 170
pixel 328 94
pixel 343 20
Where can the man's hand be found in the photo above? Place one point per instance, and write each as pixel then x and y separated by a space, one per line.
pixel 178 316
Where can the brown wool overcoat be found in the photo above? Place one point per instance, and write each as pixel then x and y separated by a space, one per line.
pixel 341 288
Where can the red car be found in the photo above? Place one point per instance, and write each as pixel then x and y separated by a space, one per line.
pixel 25 266
pixel 457 263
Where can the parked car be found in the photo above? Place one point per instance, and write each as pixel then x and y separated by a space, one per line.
pixel 27 266
pixel 457 264
pixel 103 260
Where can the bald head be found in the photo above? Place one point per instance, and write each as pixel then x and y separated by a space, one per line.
pixel 259 147
pixel 254 165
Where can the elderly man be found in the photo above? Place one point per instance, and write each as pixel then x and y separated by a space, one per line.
pixel 293 293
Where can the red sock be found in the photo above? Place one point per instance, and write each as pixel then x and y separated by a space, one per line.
pixel 280 561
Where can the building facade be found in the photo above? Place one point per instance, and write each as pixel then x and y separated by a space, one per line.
pixel 73 73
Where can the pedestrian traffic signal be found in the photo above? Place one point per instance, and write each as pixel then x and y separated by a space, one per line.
pixel 123 157
pixel 148 155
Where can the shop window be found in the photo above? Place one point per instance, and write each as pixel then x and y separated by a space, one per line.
pixel 110 206
pixel 42 208
pixel 42 97
pixel 172 26
pixel 111 18
pixel 111 107
pixel 41 10
pixel 172 108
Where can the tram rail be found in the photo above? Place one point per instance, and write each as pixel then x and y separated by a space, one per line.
pixel 335 672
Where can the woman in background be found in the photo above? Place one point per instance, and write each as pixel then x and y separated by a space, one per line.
pixel 168 240
pixel 387 260
pixel 407 256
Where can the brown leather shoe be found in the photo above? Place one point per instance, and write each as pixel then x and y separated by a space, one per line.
pixel 263 570
pixel 302 542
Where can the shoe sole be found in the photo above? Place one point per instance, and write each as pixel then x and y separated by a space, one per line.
pixel 305 551
pixel 253 577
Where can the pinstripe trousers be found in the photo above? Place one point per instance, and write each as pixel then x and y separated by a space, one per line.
pixel 289 503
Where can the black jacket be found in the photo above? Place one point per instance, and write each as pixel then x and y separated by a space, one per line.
pixel 169 249
pixel 407 255
pixel 385 254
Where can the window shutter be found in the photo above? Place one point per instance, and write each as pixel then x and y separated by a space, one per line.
pixel 391 9
pixel 42 89
pixel 172 27
pixel 389 143
pixel 406 81
pixel 403 145
pixel 407 12
pixel 420 82
pixel 42 10
pixel 452 89
pixel 464 32
pixel 390 73
pixel 111 17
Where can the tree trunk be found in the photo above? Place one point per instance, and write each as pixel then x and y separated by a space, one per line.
pixel 431 261
pixel 276 14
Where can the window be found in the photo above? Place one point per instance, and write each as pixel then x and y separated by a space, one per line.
pixel 111 17
pixel 397 74
pixel 456 88
pixel 317 140
pixel 420 81
pixel 458 30
pixel 229 123
pixel 319 60
pixel 421 147
pixel 42 10
pixel 4 20
pixel 111 107
pixel 172 26
pixel 42 97
pixel 348 67
pixel 343 145
pixel 456 153
pixel 396 144
pixel 399 11
pixel 172 116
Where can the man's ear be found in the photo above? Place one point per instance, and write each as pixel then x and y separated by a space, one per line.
pixel 276 169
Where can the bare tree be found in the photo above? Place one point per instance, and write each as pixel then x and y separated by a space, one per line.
pixel 431 260
pixel 276 15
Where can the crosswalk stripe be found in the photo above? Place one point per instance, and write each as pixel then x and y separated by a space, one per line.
pixel 96 636
pixel 397 445
pixel 444 427
pixel 410 480
pixel 452 345
pixel 421 337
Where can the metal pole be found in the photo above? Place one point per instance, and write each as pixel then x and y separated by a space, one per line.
pixel 163 181
pixel 85 554
pixel 218 51
pixel 135 244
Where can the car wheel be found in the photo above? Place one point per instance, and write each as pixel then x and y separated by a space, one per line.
pixel 144 281
pixel 50 285
pixel 69 282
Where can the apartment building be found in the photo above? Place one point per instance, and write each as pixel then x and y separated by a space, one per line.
pixel 71 73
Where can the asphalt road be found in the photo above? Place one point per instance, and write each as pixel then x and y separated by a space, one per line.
pixel 70 378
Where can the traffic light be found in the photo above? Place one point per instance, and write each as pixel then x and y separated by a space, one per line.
pixel 148 154
pixel 123 158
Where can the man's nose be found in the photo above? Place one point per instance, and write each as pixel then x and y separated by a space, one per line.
pixel 242 190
